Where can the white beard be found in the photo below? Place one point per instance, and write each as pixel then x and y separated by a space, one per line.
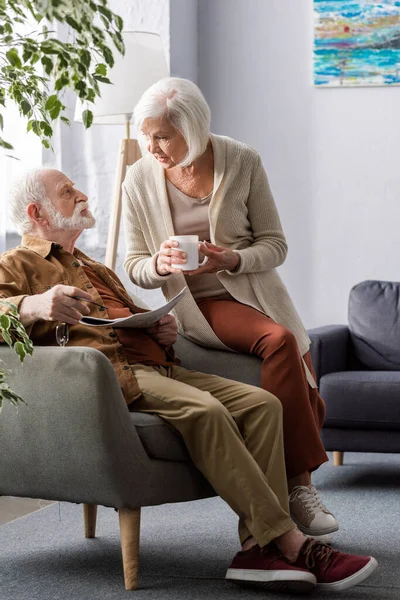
pixel 58 222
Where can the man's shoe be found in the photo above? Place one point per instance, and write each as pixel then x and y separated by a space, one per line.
pixel 309 512
pixel 267 568
pixel 334 570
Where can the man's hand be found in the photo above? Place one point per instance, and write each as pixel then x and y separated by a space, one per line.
pixel 219 259
pixel 165 331
pixel 55 305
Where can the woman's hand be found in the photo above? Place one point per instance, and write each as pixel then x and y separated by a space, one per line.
pixel 167 254
pixel 219 259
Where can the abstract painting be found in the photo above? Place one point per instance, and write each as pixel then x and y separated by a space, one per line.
pixel 356 43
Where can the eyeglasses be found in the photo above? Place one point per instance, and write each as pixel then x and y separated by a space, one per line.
pixel 62 334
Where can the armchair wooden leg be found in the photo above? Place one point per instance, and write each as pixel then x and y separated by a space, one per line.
pixel 89 517
pixel 129 525
pixel 338 458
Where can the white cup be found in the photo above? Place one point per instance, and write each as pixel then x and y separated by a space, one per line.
pixel 190 245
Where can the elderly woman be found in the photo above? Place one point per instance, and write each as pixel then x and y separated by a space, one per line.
pixel 194 182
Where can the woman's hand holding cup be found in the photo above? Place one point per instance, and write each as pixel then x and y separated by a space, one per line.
pixel 181 253
pixel 168 254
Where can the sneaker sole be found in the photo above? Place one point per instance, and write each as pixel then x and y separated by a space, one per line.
pixel 313 532
pixel 349 582
pixel 299 582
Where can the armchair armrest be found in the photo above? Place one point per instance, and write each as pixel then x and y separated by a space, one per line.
pixel 329 349
pixel 232 365
pixel 74 439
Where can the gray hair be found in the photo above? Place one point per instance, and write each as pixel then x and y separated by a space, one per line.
pixel 181 102
pixel 26 189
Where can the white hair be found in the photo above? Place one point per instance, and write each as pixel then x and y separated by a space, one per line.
pixel 180 102
pixel 26 189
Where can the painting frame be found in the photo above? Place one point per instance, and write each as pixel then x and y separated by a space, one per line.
pixel 356 43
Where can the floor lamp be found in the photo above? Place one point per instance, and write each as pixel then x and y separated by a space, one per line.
pixel 143 63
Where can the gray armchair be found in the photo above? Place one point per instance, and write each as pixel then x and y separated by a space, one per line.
pixel 358 372
pixel 76 440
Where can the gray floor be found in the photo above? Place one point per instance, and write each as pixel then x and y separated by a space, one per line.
pixel 185 548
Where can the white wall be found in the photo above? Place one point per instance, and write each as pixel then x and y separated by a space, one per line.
pixel 332 155
pixel 184 39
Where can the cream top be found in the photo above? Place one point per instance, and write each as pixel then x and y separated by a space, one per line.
pixel 190 217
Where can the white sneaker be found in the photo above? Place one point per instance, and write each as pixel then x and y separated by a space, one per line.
pixel 309 513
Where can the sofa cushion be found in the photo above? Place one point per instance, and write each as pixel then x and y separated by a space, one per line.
pixel 374 323
pixel 362 399
pixel 159 439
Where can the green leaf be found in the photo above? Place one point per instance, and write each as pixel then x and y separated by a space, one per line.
pixel 72 23
pixel 7 338
pixel 4 322
pixel 119 22
pixel 102 79
pixel 48 64
pixel 20 350
pixel 13 58
pixel 25 107
pixel 101 69
pixel 86 58
pixel 26 54
pixel 108 56
pixel 46 128
pixel 65 120
pixel 46 144
pixel 87 117
pixel 4 144
pixel 51 101
pixel 106 12
pixel 1 122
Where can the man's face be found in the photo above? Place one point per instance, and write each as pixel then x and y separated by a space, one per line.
pixel 67 207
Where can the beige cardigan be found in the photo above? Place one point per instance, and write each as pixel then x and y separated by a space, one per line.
pixel 243 217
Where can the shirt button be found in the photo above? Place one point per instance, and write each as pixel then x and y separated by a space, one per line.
pixel 75 264
pixel 113 335
pixel 89 285
pixel 126 367
pixel 48 287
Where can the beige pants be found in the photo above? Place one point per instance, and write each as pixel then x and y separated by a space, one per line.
pixel 233 433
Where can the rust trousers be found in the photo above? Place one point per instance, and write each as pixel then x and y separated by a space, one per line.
pixel 245 329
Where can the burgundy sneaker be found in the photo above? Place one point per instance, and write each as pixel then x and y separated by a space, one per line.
pixel 267 568
pixel 334 570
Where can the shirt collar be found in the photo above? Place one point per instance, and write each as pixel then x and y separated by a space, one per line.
pixel 38 245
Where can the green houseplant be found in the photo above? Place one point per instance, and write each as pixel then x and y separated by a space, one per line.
pixel 36 68
pixel 15 336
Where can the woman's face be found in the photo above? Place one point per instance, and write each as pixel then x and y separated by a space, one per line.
pixel 166 143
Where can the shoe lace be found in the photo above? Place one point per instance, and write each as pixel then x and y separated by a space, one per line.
pixel 317 551
pixel 309 498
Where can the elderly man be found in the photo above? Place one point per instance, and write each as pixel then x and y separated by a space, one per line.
pixel 233 431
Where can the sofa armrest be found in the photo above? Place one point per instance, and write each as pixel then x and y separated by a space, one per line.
pixel 329 349
pixel 232 365
pixel 74 439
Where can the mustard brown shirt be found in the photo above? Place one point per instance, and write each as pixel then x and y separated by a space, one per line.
pixel 38 265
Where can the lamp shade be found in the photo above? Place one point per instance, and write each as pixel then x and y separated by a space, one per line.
pixel 142 65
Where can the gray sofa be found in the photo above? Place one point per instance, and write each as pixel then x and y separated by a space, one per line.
pixel 358 372
pixel 76 440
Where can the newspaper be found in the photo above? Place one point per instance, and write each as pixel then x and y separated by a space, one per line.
pixel 140 320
